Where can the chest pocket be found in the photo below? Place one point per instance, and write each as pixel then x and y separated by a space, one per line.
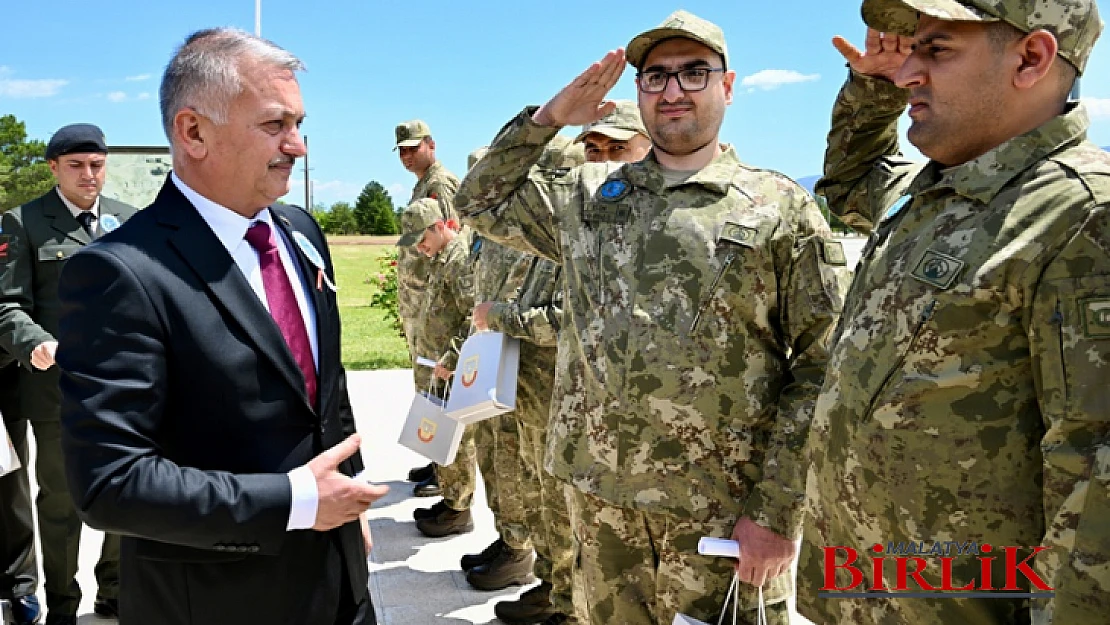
pixel 57 252
pixel 737 239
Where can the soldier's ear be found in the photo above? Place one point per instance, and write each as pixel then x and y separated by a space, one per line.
pixel 727 81
pixel 1036 53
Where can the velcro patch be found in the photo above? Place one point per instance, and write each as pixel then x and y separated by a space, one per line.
pixel 937 269
pixel 740 235
pixel 597 212
pixel 833 253
pixel 1096 317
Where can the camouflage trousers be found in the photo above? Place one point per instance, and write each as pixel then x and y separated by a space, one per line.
pixel 640 568
pixel 548 518
pixel 458 480
pixel 498 447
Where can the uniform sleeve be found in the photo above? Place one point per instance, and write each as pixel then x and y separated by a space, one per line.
pixel 19 334
pixel 462 291
pixel 509 201
pixel 538 325
pixel 1069 335
pixel 864 170
pixel 444 189
pixel 812 289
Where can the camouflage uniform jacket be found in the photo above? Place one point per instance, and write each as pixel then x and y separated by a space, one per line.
pixel 499 270
pixel 448 302
pixel 413 267
pixel 695 324
pixel 534 316
pixel 967 394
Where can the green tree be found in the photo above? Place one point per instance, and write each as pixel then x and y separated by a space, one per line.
pixel 374 210
pixel 340 220
pixel 24 174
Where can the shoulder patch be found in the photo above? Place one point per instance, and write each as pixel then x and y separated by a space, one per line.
pixel 833 253
pixel 1096 317
pixel 614 190
pixel 937 269
pixel 5 243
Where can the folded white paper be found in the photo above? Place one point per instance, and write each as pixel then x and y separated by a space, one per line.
pixel 721 547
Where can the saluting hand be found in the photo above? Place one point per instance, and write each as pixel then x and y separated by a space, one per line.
pixel 884 53
pixel 583 100
pixel 341 498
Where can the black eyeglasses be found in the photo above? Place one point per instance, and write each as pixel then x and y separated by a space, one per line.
pixel 690 79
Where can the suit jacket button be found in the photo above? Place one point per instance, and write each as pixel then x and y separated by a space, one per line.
pixel 61 254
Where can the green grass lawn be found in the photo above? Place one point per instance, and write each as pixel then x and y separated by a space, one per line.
pixel 369 342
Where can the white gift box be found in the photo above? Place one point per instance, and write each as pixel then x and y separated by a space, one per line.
pixel 430 432
pixel 484 384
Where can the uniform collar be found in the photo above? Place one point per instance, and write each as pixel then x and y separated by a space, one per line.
pixel 76 210
pixel 717 176
pixel 984 177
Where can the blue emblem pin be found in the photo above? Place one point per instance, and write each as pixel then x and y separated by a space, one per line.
pixel 109 223
pixel 613 190
pixel 314 257
pixel 897 207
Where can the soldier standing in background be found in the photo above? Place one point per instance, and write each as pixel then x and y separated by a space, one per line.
pixel 439 334
pixel 619 136
pixel 38 238
pixel 966 395
pixel 417 151
pixel 700 292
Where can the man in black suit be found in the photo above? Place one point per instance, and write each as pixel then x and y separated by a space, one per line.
pixel 36 241
pixel 205 414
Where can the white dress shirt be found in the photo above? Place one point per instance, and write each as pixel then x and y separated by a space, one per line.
pixel 231 229
pixel 77 210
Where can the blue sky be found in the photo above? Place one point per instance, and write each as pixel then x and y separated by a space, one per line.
pixel 464 67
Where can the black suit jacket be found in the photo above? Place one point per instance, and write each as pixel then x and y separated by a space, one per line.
pixel 36 241
pixel 182 411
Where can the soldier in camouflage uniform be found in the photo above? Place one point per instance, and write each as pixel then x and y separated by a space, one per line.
pixel 417 151
pixel 699 294
pixel 439 335
pixel 499 271
pixel 618 136
pixel 966 397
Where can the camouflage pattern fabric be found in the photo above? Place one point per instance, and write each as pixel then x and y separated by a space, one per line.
pixel 1075 23
pixel 413 267
pixel 659 572
pixel 499 271
pixel 445 324
pixel 966 397
pixel 694 326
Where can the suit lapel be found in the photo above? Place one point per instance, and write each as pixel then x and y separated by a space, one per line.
pixel 318 299
pixel 63 221
pixel 199 247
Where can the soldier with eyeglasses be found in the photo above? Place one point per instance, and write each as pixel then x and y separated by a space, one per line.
pixel 699 295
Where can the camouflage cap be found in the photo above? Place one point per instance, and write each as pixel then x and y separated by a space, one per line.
pixel 411 133
pixel 680 24
pixel 416 218
pixel 1075 23
pixel 622 124
pixel 561 153
pixel 475 156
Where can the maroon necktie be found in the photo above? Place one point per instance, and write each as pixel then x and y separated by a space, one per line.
pixel 283 303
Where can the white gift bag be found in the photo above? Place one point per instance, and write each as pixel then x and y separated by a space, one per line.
pixel 9 460
pixel 733 597
pixel 429 431
pixel 484 384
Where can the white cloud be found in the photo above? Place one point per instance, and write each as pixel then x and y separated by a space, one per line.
pixel 769 79
pixel 138 78
pixel 117 96
pixel 21 88
pixel 1098 108
pixel 143 96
